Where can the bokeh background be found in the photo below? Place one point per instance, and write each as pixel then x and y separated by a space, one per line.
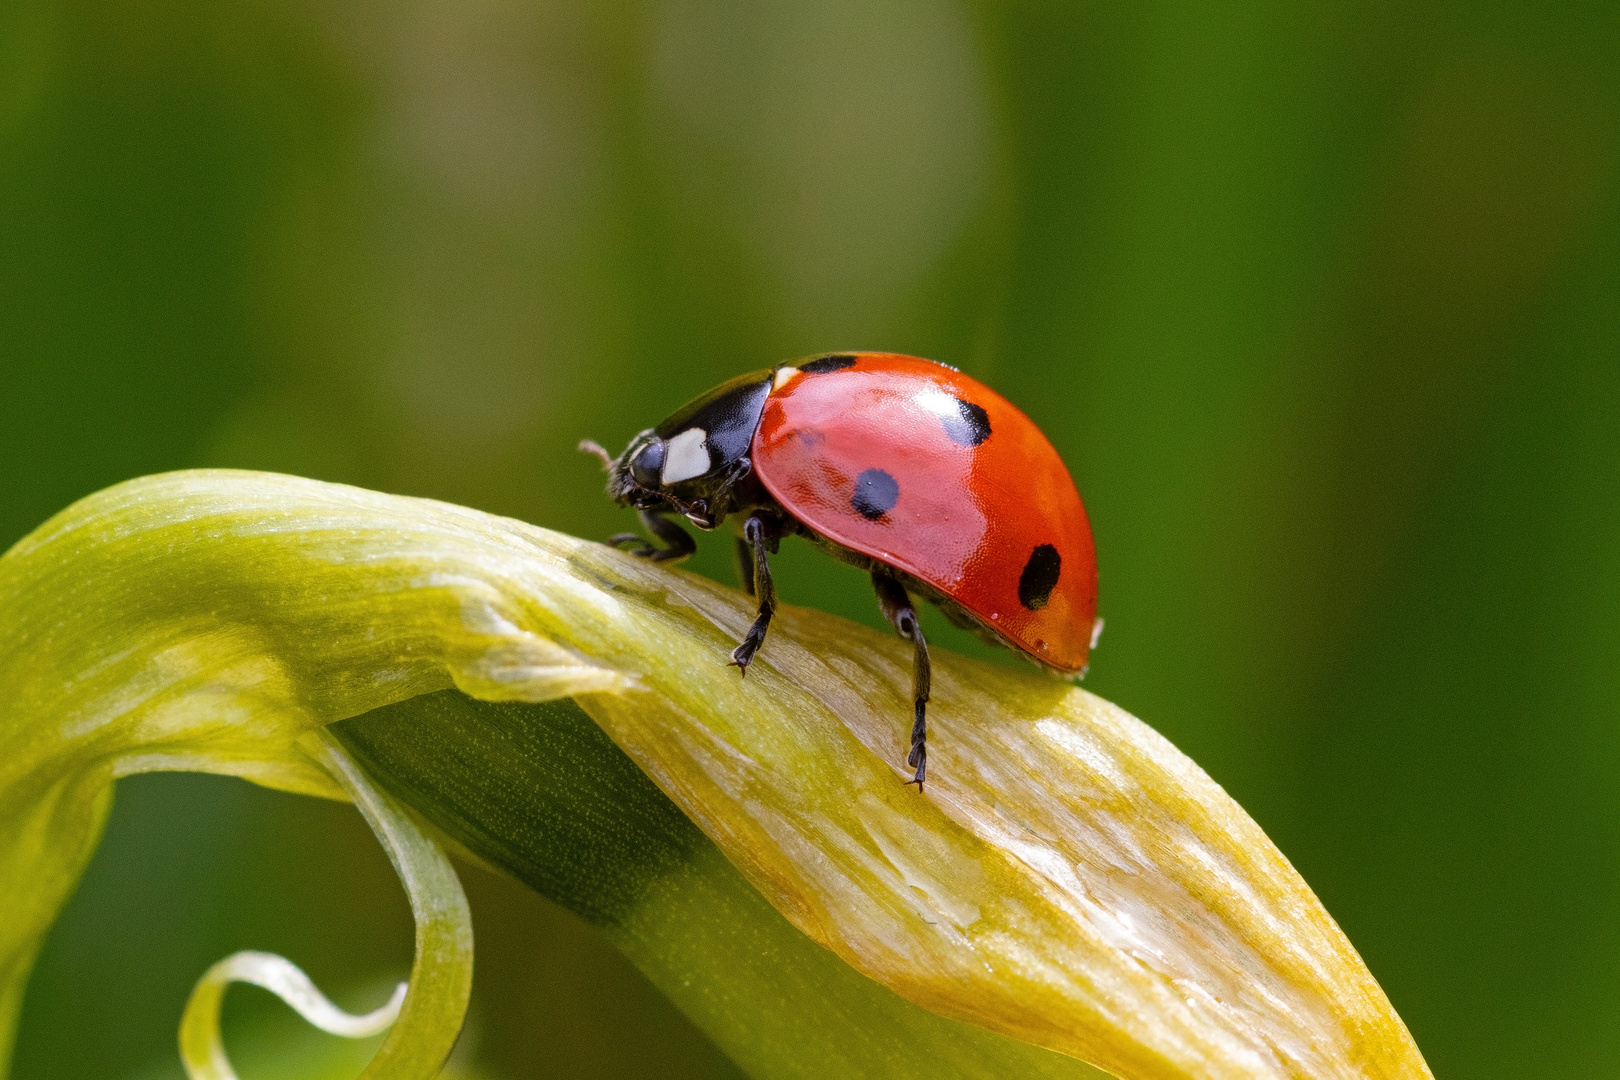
pixel 1320 300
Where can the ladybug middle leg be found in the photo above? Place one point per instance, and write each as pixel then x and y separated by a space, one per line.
pixel 759 537
pixel 678 543
pixel 902 613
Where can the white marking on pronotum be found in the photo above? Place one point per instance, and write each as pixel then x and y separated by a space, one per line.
pixel 784 376
pixel 686 456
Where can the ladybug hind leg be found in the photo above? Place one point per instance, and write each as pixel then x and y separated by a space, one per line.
pixel 902 614
pixel 745 565
pixel 678 543
pixel 756 541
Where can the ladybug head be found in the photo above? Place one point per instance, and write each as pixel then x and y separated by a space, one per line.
pixel 639 478
pixel 696 462
pixel 678 475
pixel 635 476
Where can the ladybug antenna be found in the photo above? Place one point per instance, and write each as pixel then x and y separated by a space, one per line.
pixel 586 446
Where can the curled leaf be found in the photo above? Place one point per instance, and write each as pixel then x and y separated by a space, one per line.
pixel 430 1007
pixel 1068 879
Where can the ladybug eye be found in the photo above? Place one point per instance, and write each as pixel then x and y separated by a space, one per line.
pixel 648 463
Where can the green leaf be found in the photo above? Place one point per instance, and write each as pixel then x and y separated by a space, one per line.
pixel 540 792
pixel 1068 879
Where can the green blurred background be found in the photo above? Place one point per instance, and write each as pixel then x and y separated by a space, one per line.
pixel 1320 301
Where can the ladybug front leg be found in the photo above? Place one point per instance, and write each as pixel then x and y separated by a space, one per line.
pixel 900 611
pixel 678 543
pixel 757 538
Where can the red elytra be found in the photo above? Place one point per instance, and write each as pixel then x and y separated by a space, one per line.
pixel 967 518
pixel 928 479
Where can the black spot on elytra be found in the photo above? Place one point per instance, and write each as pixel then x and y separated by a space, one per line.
pixel 875 494
pixel 969 426
pixel 1040 577
pixel 823 364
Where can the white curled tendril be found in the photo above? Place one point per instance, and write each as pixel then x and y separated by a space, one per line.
pixel 200 1046
pixel 429 1008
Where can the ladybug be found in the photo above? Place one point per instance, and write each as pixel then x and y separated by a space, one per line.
pixel 927 479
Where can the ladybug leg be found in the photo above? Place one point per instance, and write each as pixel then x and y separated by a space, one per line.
pixel 745 565
pixel 678 544
pixel 757 538
pixel 902 613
